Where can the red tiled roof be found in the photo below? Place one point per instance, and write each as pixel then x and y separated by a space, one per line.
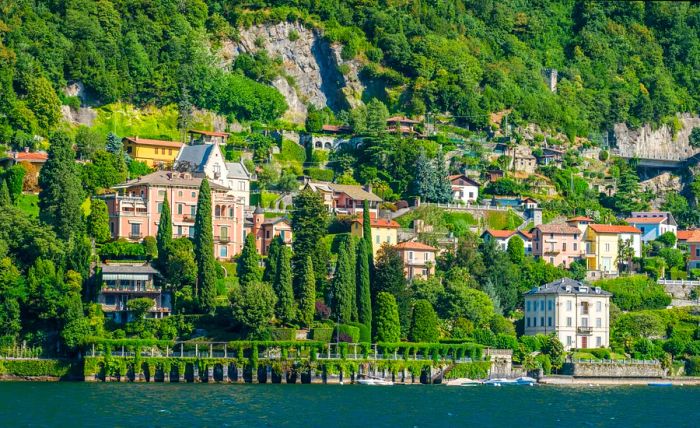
pixel 380 222
pixel 561 229
pixel 31 157
pixel 645 220
pixel 458 176
pixel 694 237
pixel 528 235
pixel 402 119
pixel 148 142
pixel 684 235
pixel 411 245
pixel 611 228
pixel 209 133
pixel 500 233
pixel 580 218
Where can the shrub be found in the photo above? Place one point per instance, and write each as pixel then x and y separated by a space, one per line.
pixel 635 293
pixel 322 334
pixel 347 333
pixel 692 366
pixel 545 363
pixel 320 174
pixel 283 334
pixel 365 332
pixel 123 249
pixel 601 353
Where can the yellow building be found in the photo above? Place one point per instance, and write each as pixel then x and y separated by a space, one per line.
pixel 602 245
pixel 383 230
pixel 155 153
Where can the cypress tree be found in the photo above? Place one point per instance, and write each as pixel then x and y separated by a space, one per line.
pixel 204 250
pixel 271 261
pixel 98 221
pixel 5 199
pixel 249 263
pixel 386 320
pixel 61 189
pixel 364 299
pixel 307 299
pixel 285 310
pixel 341 301
pixel 351 282
pixel 165 234
pixel 367 226
pixel 424 323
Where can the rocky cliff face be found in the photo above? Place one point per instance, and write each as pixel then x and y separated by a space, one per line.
pixel 647 143
pixel 313 64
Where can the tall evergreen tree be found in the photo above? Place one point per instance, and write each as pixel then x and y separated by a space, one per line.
pixel 424 323
pixel 98 221
pixel 341 288
pixel 443 187
pixel 307 298
pixel 309 222
pixel 114 143
pixel 164 235
pixel 386 320
pixel 271 262
pixel 61 191
pixel 184 112
pixel 249 263
pixel 367 230
pixel 424 183
pixel 350 245
pixel 364 298
pixel 5 199
pixel 204 250
pixel 285 309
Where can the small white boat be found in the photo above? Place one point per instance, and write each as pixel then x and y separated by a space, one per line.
pixel 526 380
pixel 374 382
pixel 499 382
pixel 464 381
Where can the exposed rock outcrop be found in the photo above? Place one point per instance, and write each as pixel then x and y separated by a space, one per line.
pixel 660 185
pixel 648 143
pixel 312 63
pixel 82 116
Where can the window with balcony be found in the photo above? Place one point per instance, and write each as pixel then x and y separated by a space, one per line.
pixel 584 308
pixel 224 233
pixel 584 322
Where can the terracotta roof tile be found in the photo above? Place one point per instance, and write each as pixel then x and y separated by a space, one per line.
pixel 694 236
pixel 611 228
pixel 412 245
pixel 148 142
pixel 380 222
pixel 645 220
pixel 683 235
pixel 500 233
pixel 31 156
pixel 580 218
pixel 561 229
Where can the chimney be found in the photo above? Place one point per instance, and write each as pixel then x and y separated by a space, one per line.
pixel 368 187
pixel 26 150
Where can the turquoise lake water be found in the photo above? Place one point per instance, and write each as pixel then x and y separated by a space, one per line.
pixel 194 405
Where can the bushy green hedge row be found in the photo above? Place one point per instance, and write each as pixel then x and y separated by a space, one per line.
pixel 346 333
pixel 56 368
pixel 634 293
pixel 284 334
pixel 322 334
pixel 320 174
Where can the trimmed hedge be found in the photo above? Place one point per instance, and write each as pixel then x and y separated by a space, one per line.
pixel 348 332
pixel 56 368
pixel 322 334
pixel 283 334
pixel 365 332
pixel 320 174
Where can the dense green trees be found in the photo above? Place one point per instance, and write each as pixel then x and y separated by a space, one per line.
pixel 386 319
pixel 204 250
pixel 307 294
pixel 165 233
pixel 61 193
pixel 309 222
pixel 253 306
pixel 343 287
pixel 362 272
pixel 424 323
pixel 286 310
pixel 98 221
pixel 249 263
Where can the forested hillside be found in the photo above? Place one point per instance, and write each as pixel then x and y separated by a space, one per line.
pixel 632 62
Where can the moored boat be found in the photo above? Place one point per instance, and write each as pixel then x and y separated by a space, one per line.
pixel 374 382
pixel 463 382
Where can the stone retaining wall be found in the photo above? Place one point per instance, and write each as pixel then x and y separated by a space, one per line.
pixel 614 370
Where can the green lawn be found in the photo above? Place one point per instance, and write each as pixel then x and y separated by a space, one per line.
pixel 441 220
pixel 502 220
pixel 29 204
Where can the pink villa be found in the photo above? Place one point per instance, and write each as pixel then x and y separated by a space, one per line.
pixel 418 259
pixel 267 229
pixel 558 244
pixel 134 211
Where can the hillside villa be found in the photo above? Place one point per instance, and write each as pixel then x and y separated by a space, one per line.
pixel 134 210
pixel 557 244
pixel 154 153
pixel 602 246
pixel 502 237
pixel 120 283
pixel 653 224
pixel 418 259
pixel 346 198
pixel 464 189
pixel 382 230
pixel 267 229
pixel 577 313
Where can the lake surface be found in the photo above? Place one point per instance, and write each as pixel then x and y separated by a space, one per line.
pixel 194 405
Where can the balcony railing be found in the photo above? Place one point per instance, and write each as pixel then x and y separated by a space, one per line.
pixel 188 219
pixel 223 239
pixel 584 330
pixel 136 235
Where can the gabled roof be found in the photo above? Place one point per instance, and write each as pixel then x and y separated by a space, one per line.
pixel 527 235
pixel 645 220
pixel 694 237
pixel 412 245
pixel 209 133
pixel 611 228
pixel 379 223
pixel 237 170
pixel 275 220
pixel 465 178
pixel 168 179
pixel 149 142
pixel 195 157
pixel 580 218
pixel 568 286
pixel 684 235
pixel 499 233
pixel 561 229
pixel 31 157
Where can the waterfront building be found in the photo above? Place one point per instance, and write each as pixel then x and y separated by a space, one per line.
pixel 653 224
pixel 134 210
pixel 154 153
pixel 577 313
pixel 418 259
pixel 602 243
pixel 382 230
pixel 267 229
pixel 557 244
pixel 120 283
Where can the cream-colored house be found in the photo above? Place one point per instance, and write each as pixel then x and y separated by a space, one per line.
pixel 602 242
pixel 577 313
pixel 383 231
